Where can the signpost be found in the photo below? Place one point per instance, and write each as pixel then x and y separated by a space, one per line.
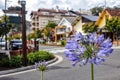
pixel 21 12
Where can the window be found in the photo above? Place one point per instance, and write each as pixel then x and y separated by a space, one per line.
pixel 68 29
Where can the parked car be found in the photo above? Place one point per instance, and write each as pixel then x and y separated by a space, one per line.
pixel 2 43
pixel 15 44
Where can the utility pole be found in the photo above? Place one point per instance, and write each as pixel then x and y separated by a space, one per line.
pixel 24 46
pixel 105 5
pixel 5 26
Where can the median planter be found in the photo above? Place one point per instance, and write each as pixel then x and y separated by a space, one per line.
pixel 15 52
pixel 19 51
pixel 16 59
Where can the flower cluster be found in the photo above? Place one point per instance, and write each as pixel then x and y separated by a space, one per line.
pixel 90 48
pixel 42 66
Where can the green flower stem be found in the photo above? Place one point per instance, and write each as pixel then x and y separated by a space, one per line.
pixel 92 71
pixel 41 75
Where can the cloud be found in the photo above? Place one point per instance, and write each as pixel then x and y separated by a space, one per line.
pixel 63 4
pixel 1 5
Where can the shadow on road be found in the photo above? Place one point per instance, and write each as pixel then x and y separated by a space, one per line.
pixel 8 78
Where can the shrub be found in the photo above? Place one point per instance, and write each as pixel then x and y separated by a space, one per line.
pixel 63 43
pixel 31 57
pixel 4 62
pixel 15 61
pixel 39 56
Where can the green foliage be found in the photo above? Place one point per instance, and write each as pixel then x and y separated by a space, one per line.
pixel 39 33
pixel 6 28
pixel 4 62
pixel 30 36
pixel 51 25
pixel 113 25
pixel 63 43
pixel 39 56
pixel 17 36
pixel 36 34
pixel 89 27
pixel 96 10
pixel 47 31
pixel 15 61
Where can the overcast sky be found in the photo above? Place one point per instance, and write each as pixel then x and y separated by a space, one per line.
pixel 33 5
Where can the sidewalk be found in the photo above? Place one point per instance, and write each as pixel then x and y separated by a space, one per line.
pixel 116 47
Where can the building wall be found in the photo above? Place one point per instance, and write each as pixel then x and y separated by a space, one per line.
pixel 67 24
pixel 102 19
pixel 41 18
pixel 43 21
pixel 78 27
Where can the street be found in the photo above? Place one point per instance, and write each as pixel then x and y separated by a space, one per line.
pixel 109 70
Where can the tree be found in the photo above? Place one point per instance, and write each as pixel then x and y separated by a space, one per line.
pixel 90 27
pixel 5 26
pixel 47 32
pixel 38 33
pixel 35 35
pixel 96 10
pixel 51 24
pixel 113 25
pixel 116 7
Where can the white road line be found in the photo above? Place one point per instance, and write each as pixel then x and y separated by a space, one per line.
pixel 60 59
pixel 57 51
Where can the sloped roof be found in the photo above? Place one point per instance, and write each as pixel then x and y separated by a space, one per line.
pixel 39 12
pixel 74 12
pixel 90 17
pixel 114 12
pixel 71 19
pixel 52 10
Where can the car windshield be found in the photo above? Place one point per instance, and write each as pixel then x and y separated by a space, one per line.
pixel 17 41
pixel 2 40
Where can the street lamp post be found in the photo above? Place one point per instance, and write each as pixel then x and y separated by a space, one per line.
pixel 24 47
pixel 5 26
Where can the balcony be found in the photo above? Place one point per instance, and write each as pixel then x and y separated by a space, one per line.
pixel 61 31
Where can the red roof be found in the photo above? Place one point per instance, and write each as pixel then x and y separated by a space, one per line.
pixel 52 10
pixel 41 11
pixel 114 12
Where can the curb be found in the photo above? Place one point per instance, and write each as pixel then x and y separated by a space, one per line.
pixel 25 68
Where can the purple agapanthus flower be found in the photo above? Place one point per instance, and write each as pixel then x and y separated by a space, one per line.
pixel 78 36
pixel 41 65
pixel 88 49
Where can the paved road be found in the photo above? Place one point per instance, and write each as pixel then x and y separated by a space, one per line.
pixel 52 49
pixel 109 70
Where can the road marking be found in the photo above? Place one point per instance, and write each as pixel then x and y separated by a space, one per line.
pixel 60 59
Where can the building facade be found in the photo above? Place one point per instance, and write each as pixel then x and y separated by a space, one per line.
pixel 64 28
pixel 81 20
pixel 40 18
